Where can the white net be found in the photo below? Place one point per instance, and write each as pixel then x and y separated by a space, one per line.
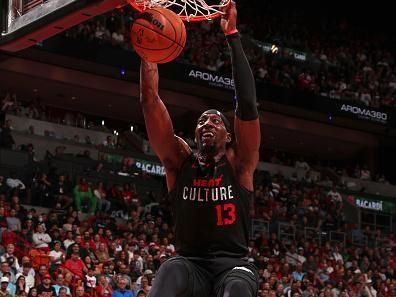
pixel 189 10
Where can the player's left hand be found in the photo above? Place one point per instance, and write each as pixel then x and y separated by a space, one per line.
pixel 229 19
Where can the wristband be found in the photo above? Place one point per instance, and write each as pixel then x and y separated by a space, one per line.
pixel 233 31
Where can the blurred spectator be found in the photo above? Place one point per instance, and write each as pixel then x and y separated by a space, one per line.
pixel 62 191
pixel 100 194
pixel 33 292
pixel 81 191
pixel 20 285
pixel 80 292
pixel 103 289
pixel 6 139
pixel 3 288
pixel 14 223
pixel 109 142
pixel 15 183
pixel 90 280
pixel 76 266
pixel 121 290
pixel 334 195
pixel 57 256
pixel 41 239
pixel 10 257
pixel 365 173
pixel 63 292
pixel 102 253
pixel 29 278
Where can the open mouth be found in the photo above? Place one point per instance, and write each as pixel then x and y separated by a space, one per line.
pixel 207 135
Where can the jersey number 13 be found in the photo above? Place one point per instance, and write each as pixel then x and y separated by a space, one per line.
pixel 225 214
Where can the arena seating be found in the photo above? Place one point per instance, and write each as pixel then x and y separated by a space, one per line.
pixel 300 239
pixel 351 69
pixel 305 237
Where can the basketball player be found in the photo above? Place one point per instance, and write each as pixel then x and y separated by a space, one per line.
pixel 211 190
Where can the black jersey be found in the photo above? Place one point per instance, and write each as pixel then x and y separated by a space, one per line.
pixel 211 211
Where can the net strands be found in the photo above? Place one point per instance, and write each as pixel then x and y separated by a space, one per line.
pixel 189 10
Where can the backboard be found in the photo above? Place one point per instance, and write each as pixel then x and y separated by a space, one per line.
pixel 24 23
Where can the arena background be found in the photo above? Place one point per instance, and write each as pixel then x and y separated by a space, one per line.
pixel 323 218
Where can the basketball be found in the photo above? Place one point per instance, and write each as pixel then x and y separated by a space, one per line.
pixel 158 35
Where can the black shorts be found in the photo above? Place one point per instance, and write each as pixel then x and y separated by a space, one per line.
pixel 208 277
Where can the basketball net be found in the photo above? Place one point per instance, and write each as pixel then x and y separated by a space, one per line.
pixel 188 10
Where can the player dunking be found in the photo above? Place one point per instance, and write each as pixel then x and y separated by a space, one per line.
pixel 211 190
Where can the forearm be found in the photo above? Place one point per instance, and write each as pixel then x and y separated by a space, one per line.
pixel 245 88
pixel 158 122
pixel 149 84
pixel 154 110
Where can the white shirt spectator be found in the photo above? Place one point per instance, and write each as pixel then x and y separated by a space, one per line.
pixel 67 243
pixel 10 249
pixel 301 259
pixel 291 258
pixel 334 195
pixel 371 292
pixel 90 281
pixel 365 174
pixel 338 257
pixel 4 258
pixel 262 73
pixel 171 247
pixel 32 273
pixel 365 97
pixel 301 164
pixel 56 256
pixel 15 183
pixel 41 239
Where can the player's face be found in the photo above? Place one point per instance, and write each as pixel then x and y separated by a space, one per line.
pixel 211 132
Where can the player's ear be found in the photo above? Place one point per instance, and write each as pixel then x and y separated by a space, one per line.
pixel 228 138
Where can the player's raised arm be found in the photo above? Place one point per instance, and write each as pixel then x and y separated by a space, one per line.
pixel 170 149
pixel 247 125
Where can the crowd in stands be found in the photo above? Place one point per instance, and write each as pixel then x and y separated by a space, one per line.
pixel 31 110
pixel 79 249
pixel 35 109
pixel 340 169
pixel 341 62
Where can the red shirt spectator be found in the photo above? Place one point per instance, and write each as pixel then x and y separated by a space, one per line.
pixel 128 194
pixel 87 239
pixel 8 237
pixel 75 265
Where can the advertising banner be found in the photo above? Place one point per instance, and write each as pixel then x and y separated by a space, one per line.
pixel 372 203
pixel 150 167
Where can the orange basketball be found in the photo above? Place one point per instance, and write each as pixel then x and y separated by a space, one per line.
pixel 158 35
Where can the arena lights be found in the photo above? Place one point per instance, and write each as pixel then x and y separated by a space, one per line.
pixel 131 128
pixel 122 71
pixel 274 49
pixel 102 122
